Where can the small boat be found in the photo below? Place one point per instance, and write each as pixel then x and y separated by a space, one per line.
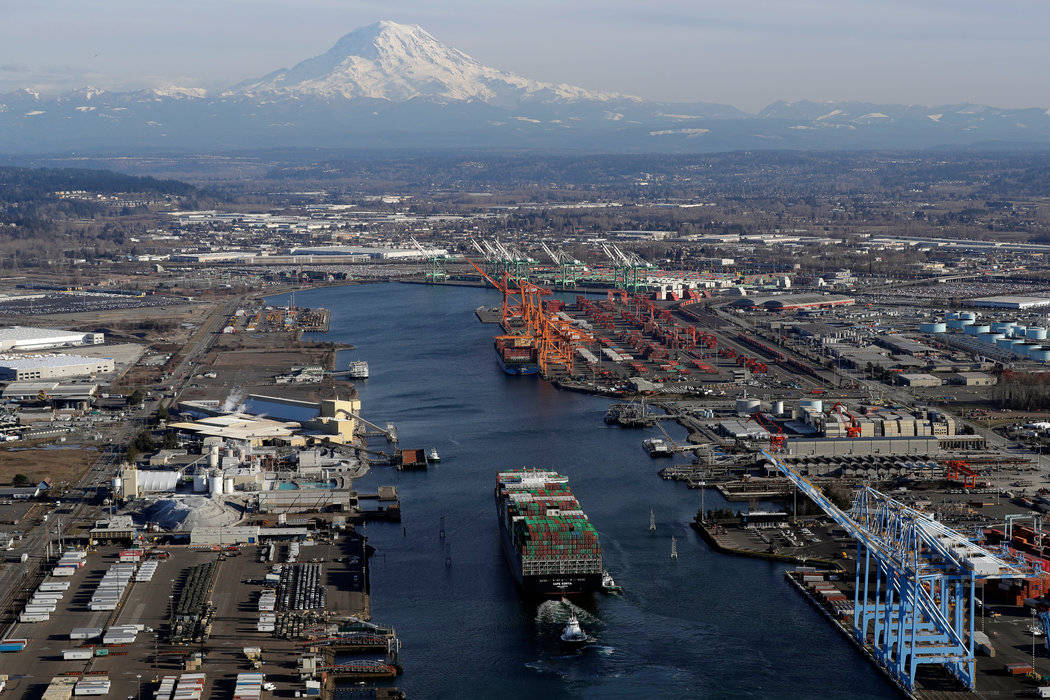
pixel 609 585
pixel 433 455
pixel 573 633
pixel 1036 631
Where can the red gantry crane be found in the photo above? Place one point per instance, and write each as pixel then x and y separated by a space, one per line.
pixel 777 439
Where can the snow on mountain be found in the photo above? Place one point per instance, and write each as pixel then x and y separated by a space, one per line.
pixel 400 62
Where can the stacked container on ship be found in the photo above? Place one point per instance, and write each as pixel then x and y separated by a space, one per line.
pixel 551 546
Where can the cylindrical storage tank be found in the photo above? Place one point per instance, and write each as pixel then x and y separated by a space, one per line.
pixel 951 316
pixel 937 327
pixel 968 315
pixel 1005 343
pixel 215 485
pixel 116 485
pixel 227 485
pixel 1039 354
pixel 745 407
pixel 814 404
pixel 1021 349
pixel 977 330
pixel 958 324
pixel 1019 331
pixel 1035 333
pixel 778 408
pixel 200 483
pixel 1002 326
pixel 213 457
pixel 990 338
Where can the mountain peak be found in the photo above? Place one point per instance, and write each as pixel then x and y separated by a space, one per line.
pixel 400 62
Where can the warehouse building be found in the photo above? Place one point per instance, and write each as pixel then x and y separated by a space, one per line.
pixel 29 368
pixel 17 338
pixel 1011 302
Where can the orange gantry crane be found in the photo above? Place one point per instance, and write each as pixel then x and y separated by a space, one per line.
pixel 555 336
pixel 777 439
pixel 853 428
pixel 958 470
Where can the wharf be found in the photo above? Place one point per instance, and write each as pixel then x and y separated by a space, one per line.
pixel 737 542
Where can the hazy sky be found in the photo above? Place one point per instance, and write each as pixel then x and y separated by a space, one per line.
pixel 742 52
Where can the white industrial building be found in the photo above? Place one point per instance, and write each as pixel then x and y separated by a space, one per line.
pixel 26 368
pixel 15 338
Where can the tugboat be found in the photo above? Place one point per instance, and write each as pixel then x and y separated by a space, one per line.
pixel 608 585
pixel 573 633
pixel 433 455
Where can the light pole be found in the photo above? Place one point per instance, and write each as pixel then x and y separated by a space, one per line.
pixel 703 513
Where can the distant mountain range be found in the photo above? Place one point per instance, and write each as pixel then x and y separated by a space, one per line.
pixel 393 85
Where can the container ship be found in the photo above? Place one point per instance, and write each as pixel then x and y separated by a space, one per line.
pixel 551 546
pixel 516 354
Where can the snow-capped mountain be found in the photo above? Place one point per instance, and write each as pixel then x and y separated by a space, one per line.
pixel 395 85
pixel 400 62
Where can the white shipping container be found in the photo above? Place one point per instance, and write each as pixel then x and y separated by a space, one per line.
pixel 76 654
pixel 34 617
pixel 85 632
pixel 63 571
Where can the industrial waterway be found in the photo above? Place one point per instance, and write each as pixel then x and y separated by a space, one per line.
pixel 706 625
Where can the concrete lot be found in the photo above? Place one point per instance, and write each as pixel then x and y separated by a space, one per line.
pixel 235 595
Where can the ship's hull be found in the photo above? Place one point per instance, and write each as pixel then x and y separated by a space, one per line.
pixel 517 368
pixel 546 585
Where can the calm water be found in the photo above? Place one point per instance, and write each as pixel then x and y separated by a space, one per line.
pixel 707 625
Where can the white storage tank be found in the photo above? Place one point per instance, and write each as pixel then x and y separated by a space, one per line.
pixel 958 324
pixel 1002 326
pixel 990 338
pixel 745 407
pixel 215 484
pixel 813 404
pixel 1019 331
pixel 227 485
pixel 1035 333
pixel 116 485
pixel 968 315
pixel 213 457
pixel 937 327
pixel 1005 343
pixel 951 316
pixel 1021 349
pixel 977 330
pixel 778 408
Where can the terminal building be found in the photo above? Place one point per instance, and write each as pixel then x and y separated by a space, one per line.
pixel 29 368
pixel 19 338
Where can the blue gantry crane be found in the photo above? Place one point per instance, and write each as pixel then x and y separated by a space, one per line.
pixel 915 582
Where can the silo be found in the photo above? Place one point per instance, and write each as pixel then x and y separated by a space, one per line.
pixel 215 484
pixel 117 486
pixel 200 482
pixel 1035 333
pixel 227 485
pixel 778 408
pixel 213 457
